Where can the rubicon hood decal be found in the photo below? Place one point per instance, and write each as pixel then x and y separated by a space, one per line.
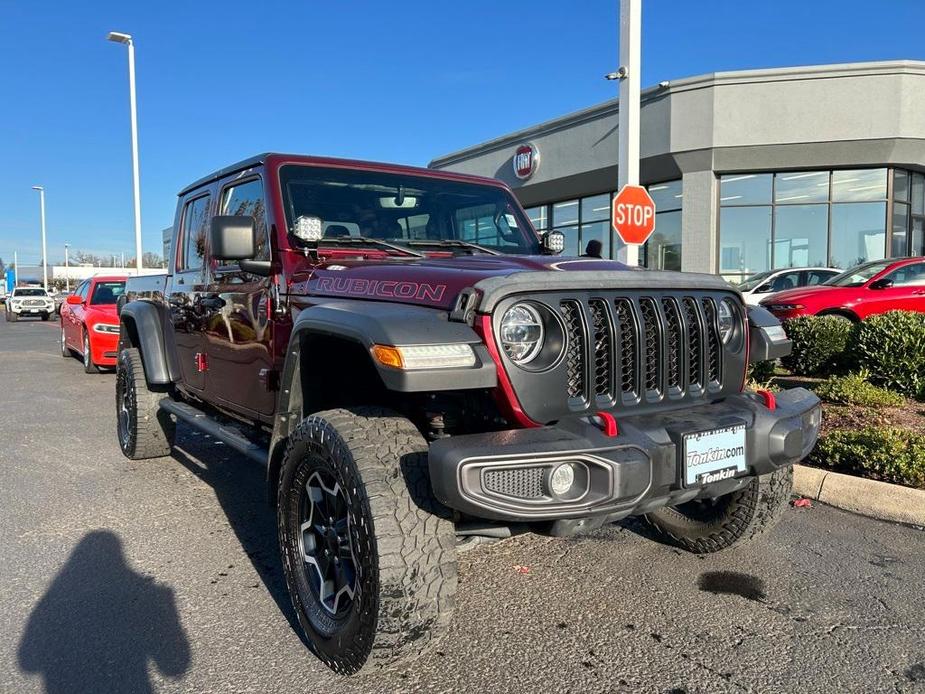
pixel 432 281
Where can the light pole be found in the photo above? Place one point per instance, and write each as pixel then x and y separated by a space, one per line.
pixel 67 272
pixel 41 191
pixel 119 37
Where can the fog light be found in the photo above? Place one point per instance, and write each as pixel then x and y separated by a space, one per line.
pixel 561 479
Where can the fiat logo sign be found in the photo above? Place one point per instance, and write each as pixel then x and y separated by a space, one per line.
pixel 526 161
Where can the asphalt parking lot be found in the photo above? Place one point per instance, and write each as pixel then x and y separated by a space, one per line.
pixel 162 576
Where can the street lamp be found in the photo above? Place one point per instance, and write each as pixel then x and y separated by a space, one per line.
pixel 41 191
pixel 119 37
pixel 67 272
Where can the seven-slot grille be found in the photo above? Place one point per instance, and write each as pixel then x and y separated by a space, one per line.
pixel 33 302
pixel 626 350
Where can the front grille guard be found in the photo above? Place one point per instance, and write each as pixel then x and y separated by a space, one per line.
pixel 631 350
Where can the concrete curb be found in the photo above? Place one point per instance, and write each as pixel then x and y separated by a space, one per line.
pixel 882 500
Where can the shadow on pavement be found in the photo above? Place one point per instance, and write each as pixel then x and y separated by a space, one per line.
pixel 100 623
pixel 240 487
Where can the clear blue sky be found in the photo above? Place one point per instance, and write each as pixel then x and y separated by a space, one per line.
pixel 403 82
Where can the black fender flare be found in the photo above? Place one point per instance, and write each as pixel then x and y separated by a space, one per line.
pixel 368 323
pixel 766 337
pixel 141 326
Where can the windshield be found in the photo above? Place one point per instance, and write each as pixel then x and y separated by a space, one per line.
pixel 417 212
pixel 106 293
pixel 859 274
pixel 28 291
pixel 753 281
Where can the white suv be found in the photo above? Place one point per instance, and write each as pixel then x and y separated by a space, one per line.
pixel 29 301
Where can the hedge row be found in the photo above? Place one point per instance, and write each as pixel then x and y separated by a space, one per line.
pixel 884 453
pixel 890 347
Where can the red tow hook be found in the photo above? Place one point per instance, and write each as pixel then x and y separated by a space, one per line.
pixel 769 400
pixel 607 423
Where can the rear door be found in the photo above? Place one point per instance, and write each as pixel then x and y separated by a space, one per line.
pixel 186 286
pixel 239 329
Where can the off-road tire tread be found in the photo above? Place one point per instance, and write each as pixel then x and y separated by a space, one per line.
pixel 412 537
pixel 751 511
pixel 155 431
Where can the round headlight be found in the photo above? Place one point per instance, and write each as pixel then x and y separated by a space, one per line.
pixel 727 320
pixel 521 333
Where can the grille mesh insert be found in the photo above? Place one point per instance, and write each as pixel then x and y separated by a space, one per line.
pixel 673 335
pixel 709 312
pixel 653 357
pixel 520 483
pixel 694 341
pixel 627 323
pixel 600 325
pixel 574 350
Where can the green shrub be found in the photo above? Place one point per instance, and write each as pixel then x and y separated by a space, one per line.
pixel 761 371
pixel 855 389
pixel 819 345
pixel 891 346
pixel 884 453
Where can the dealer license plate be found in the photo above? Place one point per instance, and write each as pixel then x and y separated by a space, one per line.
pixel 711 456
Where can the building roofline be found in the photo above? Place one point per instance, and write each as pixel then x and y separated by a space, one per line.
pixel 684 84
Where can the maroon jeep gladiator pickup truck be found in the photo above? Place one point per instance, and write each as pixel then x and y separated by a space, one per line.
pixel 413 364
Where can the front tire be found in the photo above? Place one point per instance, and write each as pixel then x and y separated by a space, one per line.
pixel 45 316
pixel 143 428
pixel 65 350
pixel 369 555
pixel 89 366
pixel 705 526
pixel 12 317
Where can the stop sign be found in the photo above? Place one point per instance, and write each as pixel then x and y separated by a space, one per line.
pixel 633 214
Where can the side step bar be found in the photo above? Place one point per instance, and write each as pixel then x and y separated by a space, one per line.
pixel 210 426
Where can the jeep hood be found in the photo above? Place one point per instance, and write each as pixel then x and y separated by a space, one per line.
pixel 437 281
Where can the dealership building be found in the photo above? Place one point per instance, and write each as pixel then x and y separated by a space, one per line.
pixel 750 170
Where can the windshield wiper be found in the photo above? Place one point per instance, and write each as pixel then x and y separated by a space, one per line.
pixel 366 240
pixel 453 243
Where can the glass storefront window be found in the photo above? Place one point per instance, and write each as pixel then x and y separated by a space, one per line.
pixel 856 185
pixel 801 235
pixel 745 240
pixel 596 208
pixel 801 187
pixel 858 233
pixel 571 240
pixel 900 185
pixel 564 213
pixel 898 246
pixel 666 196
pixel 537 215
pixel 745 189
pixel 663 250
pixel 918 193
pixel 599 231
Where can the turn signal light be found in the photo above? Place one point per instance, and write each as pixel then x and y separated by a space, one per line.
pixel 388 356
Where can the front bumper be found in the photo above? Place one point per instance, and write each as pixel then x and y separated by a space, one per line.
pixel 21 310
pixel 504 475
pixel 104 347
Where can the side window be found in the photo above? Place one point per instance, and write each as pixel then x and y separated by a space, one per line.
pixel 195 234
pixel 908 275
pixel 814 277
pixel 788 280
pixel 247 199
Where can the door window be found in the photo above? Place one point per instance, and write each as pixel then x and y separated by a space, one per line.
pixel 908 275
pixel 814 277
pixel 785 281
pixel 247 199
pixel 195 234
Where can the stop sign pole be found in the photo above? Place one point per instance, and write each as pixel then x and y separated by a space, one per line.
pixel 628 127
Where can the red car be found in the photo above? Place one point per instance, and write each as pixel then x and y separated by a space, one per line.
pixel 864 290
pixel 89 323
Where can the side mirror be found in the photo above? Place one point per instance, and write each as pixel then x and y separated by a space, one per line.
pixel 766 287
pixel 231 237
pixel 74 300
pixel 882 283
pixel 553 242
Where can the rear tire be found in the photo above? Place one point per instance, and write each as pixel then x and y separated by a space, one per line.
pixel 65 350
pixel 704 526
pixel 89 366
pixel 390 591
pixel 143 428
